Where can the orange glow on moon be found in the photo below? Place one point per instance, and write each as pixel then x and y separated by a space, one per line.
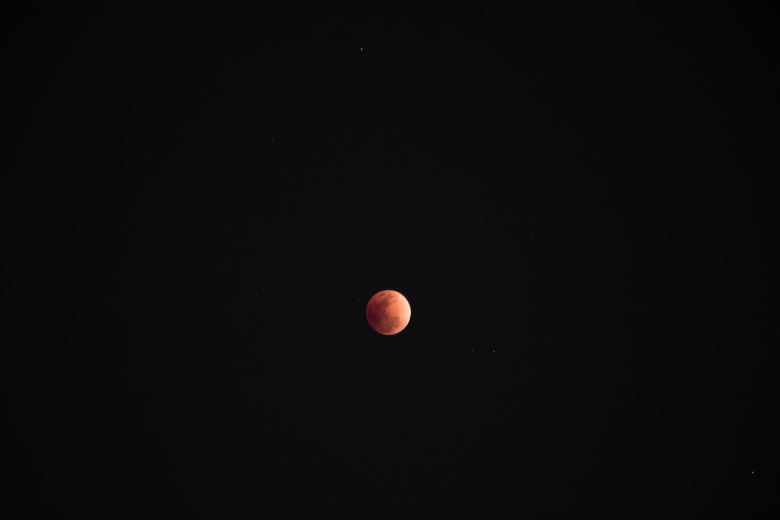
pixel 388 312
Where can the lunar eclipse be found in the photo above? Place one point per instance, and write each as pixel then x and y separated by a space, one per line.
pixel 388 312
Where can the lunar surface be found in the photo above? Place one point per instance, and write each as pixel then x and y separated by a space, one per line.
pixel 388 312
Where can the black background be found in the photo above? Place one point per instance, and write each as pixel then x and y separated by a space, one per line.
pixel 576 202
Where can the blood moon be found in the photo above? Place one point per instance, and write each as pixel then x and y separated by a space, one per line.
pixel 388 312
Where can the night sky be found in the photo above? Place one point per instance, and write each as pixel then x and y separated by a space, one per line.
pixel 575 201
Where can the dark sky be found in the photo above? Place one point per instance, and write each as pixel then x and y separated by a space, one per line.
pixel 575 201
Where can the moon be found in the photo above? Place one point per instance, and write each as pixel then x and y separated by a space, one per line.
pixel 388 312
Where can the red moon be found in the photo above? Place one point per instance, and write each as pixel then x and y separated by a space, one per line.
pixel 388 312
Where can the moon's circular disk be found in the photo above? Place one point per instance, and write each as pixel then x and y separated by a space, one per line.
pixel 388 312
